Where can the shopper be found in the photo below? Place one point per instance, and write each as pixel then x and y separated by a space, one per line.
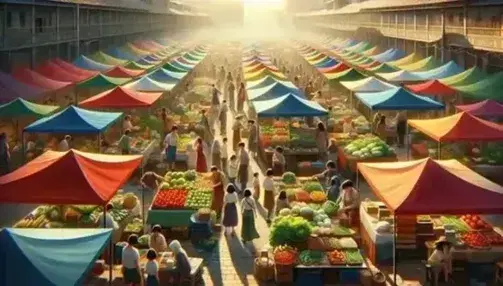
pixel 4 154
pixel 182 264
pixel 282 202
pixel 249 211
pixel 269 193
pixel 233 170
pixel 256 186
pixel 241 97
pixel 278 161
pixel 170 145
pixel 322 141
pixel 64 145
pixel 244 162
pixel 231 89
pixel 207 129
pixel 216 154
pixel 217 179
pixel 326 176
pixel 236 132
pixel 401 128
pixel 131 270
pixel 152 269
pixel 223 117
pixel 167 121
pixel 230 220
pixel 224 156
pixel 252 138
pixel 157 241
pixel 334 191
pixel 106 220
pixel 201 165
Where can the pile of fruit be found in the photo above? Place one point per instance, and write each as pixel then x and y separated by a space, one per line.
pixel 285 255
pixel 199 199
pixel 337 257
pixel 170 199
pixel 318 196
pixel 372 147
pixel 476 223
pixel 183 141
pixel 475 240
pixel 275 135
pixel 494 238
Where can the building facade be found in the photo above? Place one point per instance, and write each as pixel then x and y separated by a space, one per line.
pixel 468 32
pixel 32 31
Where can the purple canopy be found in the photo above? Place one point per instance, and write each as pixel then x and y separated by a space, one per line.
pixel 11 89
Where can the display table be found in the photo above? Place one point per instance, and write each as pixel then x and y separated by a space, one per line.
pixel 377 246
pixel 348 162
pixel 169 218
pixel 292 157
pixel 494 254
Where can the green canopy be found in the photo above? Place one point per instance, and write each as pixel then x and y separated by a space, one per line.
pixel 382 68
pixel 173 68
pixel 21 108
pixel 103 58
pixel 137 66
pixel 363 61
pixel 489 88
pixel 103 81
pixel 421 65
pixel 469 76
pixel 347 75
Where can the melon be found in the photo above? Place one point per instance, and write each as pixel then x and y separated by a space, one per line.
pixel 129 201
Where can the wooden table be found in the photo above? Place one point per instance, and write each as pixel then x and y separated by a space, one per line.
pixel 494 254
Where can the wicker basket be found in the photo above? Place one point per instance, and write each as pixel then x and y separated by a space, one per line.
pixel 264 272
pixel 283 273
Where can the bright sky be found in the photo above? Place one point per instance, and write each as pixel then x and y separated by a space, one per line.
pixel 268 3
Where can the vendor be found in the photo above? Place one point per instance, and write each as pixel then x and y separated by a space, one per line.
pixel 106 220
pixel 125 143
pixel 150 181
pixel 441 259
pixel 217 178
pixel 128 124
pixel 347 126
pixel 157 241
pixel 326 176
pixel 182 264
pixel 350 202
pixel 64 145
pixel 334 191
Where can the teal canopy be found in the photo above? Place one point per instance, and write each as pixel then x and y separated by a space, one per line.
pixel 397 99
pixel 289 105
pixel 74 120
pixel 49 257
pixel 20 108
pixel 272 91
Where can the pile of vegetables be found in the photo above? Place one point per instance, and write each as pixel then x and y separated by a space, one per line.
pixel 336 257
pixel 285 255
pixel 310 257
pixel 321 219
pixel 289 230
pixel 170 199
pixel 289 178
pixel 476 223
pixel 302 196
pixel 197 199
pixel 353 257
pixel 312 186
pixel 455 222
pixel 318 196
pixel 144 240
pixel 372 147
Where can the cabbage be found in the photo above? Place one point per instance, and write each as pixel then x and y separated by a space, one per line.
pixel 306 211
pixel 289 178
pixel 356 153
pixel 295 210
pixel 284 212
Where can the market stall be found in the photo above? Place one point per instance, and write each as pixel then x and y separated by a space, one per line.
pixel 179 198
pixel 75 120
pixel 309 237
pixel 412 206
pixel 298 142
pixel 28 251
pixel 462 127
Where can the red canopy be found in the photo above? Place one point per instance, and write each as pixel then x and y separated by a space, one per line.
pixel 121 97
pixel 71 177
pixel 459 127
pixel 75 69
pixel 53 71
pixel 432 187
pixel 32 78
pixel 122 72
pixel 335 69
pixel 432 87
pixel 487 108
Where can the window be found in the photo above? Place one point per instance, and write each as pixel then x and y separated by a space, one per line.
pixel 39 25
pixel 9 19
pixel 22 19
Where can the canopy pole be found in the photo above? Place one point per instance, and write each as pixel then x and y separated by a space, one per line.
pixel 394 250
pixel 439 151
pixel 407 141
pixel 23 156
pixel 110 245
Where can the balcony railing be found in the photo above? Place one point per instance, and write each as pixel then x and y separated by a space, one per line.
pixel 17 37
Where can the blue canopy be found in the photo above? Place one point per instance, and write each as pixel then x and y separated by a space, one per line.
pixel 49 257
pixel 289 105
pixel 149 85
pixel 267 81
pixel 74 120
pixel 447 70
pixel 88 64
pixel 328 63
pixel 389 55
pixel 272 91
pixel 152 58
pixel 397 99
pixel 121 54
pixel 165 76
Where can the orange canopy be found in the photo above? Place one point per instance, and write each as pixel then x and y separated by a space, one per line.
pixel 459 127
pixel 71 177
pixel 120 97
pixel 432 187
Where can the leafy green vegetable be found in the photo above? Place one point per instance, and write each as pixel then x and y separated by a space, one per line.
pixel 289 230
pixel 310 257
pixel 313 186
pixel 289 178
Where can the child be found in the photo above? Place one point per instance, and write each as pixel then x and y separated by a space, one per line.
pixel 278 161
pixel 233 169
pixel 152 268
pixel 269 194
pixel 282 202
pixel 256 186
